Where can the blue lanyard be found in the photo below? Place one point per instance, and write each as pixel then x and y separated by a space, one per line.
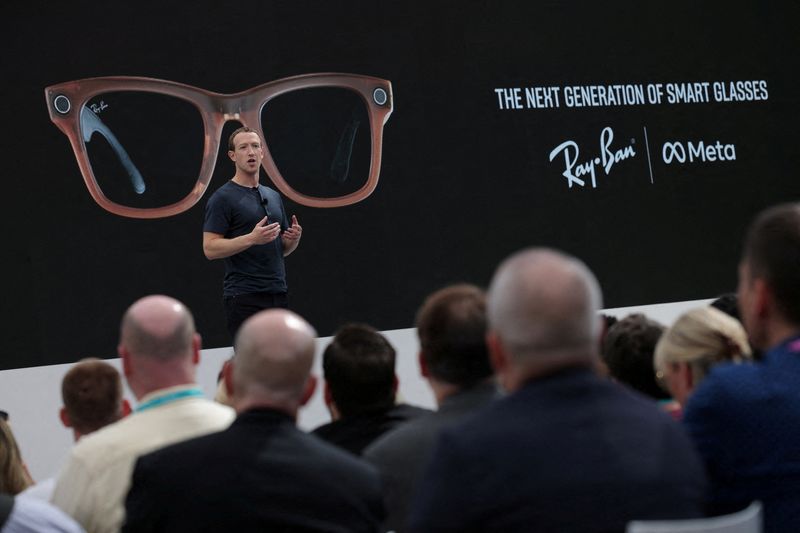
pixel 169 398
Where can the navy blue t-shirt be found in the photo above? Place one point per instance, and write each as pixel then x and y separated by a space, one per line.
pixel 234 210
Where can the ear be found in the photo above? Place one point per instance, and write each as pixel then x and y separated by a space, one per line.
pixel 602 330
pixel 423 365
pixel 326 394
pixel 688 376
pixel 497 353
pixel 500 360
pixel 763 299
pixel 308 392
pixel 197 343
pixel 395 384
pixel 227 377
pixel 125 356
pixel 64 416
pixel 126 408
pixel 681 381
pixel 232 155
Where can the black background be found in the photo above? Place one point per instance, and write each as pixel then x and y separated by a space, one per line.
pixel 463 184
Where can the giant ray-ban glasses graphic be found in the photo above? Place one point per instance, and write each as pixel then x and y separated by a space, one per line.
pixel 147 148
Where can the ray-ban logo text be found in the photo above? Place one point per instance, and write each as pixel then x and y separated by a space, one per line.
pixel 608 156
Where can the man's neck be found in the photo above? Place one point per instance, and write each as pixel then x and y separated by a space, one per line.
pixel 159 385
pixel 245 180
pixel 442 390
pixel 246 404
pixel 526 374
pixel 781 332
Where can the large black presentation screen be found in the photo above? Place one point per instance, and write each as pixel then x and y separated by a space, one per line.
pixel 639 137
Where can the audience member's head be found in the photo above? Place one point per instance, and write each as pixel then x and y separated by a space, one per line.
pixel 451 325
pixel 769 276
pixel 698 339
pixel 728 303
pixel 359 371
pixel 158 345
pixel 607 321
pixel 628 353
pixel 224 392
pixel 543 316
pixel 14 477
pixel 272 365
pixel 92 394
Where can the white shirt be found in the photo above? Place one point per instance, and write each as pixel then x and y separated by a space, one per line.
pixel 42 490
pixel 33 516
pixel 93 484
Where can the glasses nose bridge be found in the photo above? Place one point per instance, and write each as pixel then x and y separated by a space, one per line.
pixel 233 107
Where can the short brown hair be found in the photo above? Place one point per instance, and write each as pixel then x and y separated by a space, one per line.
pixel 772 251
pixel 628 350
pixel 451 325
pixel 243 129
pixel 92 395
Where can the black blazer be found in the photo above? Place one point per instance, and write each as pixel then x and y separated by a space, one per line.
pixel 261 474
pixel 567 453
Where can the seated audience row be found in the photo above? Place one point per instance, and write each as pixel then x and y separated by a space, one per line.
pixel 262 473
pixel 563 449
pixel 566 450
pixel 667 364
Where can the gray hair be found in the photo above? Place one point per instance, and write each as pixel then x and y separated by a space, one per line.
pixel 543 303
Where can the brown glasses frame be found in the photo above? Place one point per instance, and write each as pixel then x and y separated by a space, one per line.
pixel 65 101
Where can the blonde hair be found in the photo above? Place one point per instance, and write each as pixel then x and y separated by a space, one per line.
pixel 702 338
pixel 14 476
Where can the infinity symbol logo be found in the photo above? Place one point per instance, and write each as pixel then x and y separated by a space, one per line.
pixel 674 151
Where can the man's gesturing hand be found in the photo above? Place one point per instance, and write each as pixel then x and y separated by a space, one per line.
pixel 264 232
pixel 294 232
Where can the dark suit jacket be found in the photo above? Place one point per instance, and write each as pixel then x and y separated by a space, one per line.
pixel 402 454
pixel 261 474
pixel 355 432
pixel 745 421
pixel 567 453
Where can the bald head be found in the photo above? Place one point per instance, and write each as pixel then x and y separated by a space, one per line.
pixel 274 353
pixel 158 327
pixel 543 306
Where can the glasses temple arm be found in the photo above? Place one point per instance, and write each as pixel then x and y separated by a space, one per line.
pixel 340 166
pixel 91 124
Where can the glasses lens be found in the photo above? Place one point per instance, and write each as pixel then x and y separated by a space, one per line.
pixel 320 140
pixel 145 149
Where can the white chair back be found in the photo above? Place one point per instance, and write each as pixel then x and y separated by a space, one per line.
pixel 745 521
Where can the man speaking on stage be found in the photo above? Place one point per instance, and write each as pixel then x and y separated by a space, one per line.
pixel 246 225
